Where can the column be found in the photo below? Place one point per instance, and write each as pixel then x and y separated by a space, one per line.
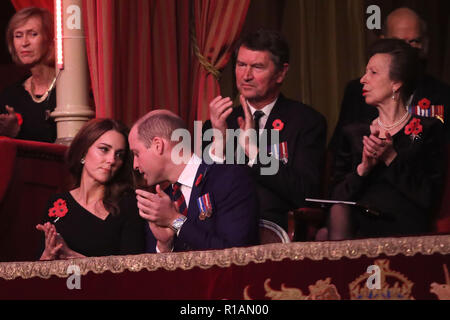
pixel 72 85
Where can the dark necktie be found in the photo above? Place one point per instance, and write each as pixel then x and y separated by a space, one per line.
pixel 257 116
pixel 178 198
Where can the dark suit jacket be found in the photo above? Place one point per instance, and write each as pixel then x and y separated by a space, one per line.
pixel 304 131
pixel 355 110
pixel 234 220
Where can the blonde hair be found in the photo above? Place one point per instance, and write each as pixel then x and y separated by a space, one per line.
pixel 20 18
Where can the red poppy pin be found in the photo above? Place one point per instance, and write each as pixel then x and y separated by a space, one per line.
pixel 19 118
pixel 424 103
pixel 278 124
pixel 199 180
pixel 58 210
pixel 413 129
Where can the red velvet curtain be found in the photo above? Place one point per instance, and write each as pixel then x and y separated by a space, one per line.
pixel 138 54
pixel 20 4
pixel 141 56
pixel 217 25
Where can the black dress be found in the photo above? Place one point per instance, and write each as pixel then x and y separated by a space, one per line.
pixel 91 236
pixel 406 192
pixel 37 124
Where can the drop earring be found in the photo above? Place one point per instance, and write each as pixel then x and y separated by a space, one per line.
pixel 82 160
pixel 393 94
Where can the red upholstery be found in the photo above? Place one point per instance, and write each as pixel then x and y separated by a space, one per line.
pixel 29 173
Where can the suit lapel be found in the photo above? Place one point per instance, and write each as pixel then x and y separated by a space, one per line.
pixel 276 113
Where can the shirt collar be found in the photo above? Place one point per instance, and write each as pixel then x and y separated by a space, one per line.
pixel 266 109
pixel 189 172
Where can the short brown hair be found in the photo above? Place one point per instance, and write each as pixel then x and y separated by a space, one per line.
pixel 85 138
pixel 20 18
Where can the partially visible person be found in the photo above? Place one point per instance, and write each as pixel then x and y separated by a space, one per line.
pixel 393 166
pixel 25 107
pixel 429 98
pixel 262 63
pixel 99 217
pixel 203 206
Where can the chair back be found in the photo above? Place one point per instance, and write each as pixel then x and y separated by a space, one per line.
pixel 270 232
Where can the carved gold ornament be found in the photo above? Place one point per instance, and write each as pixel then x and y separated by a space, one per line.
pixel 321 290
pixel 394 285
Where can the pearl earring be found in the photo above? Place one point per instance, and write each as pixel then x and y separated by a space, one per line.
pixel 393 94
pixel 82 161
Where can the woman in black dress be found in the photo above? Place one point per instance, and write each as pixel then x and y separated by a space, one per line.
pixel 25 107
pixel 395 166
pixel 99 216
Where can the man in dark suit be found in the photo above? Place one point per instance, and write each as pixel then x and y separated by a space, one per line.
pixel 205 206
pixel 262 61
pixel 431 97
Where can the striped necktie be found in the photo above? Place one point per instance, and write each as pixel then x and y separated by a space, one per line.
pixel 178 198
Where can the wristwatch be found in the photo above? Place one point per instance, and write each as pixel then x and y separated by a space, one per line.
pixel 178 223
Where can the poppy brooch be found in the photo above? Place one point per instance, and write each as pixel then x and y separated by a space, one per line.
pixel 58 210
pixel 414 129
pixel 424 103
pixel 278 125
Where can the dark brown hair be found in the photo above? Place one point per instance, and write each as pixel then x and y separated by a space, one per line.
pixel 266 40
pixel 405 65
pixel 19 19
pixel 121 183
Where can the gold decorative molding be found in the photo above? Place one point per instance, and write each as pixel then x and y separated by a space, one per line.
pixel 331 250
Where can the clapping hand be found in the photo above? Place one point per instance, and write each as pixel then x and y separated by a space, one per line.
pixel 55 246
pixel 376 149
pixel 219 109
pixel 159 210
pixel 246 125
pixel 52 241
pixel 9 125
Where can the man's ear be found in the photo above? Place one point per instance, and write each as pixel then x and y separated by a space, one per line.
pixel 282 73
pixel 159 145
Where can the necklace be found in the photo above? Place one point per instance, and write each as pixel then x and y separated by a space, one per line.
pixel 395 124
pixel 45 95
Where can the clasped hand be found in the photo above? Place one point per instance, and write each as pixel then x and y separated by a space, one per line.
pixel 159 210
pixel 376 149
pixel 55 246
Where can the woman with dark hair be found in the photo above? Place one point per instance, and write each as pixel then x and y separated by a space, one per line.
pixel 99 216
pixel 25 107
pixel 394 166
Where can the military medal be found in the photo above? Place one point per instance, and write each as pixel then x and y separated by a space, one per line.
pixel 205 206
pixel 280 152
pixel 424 108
